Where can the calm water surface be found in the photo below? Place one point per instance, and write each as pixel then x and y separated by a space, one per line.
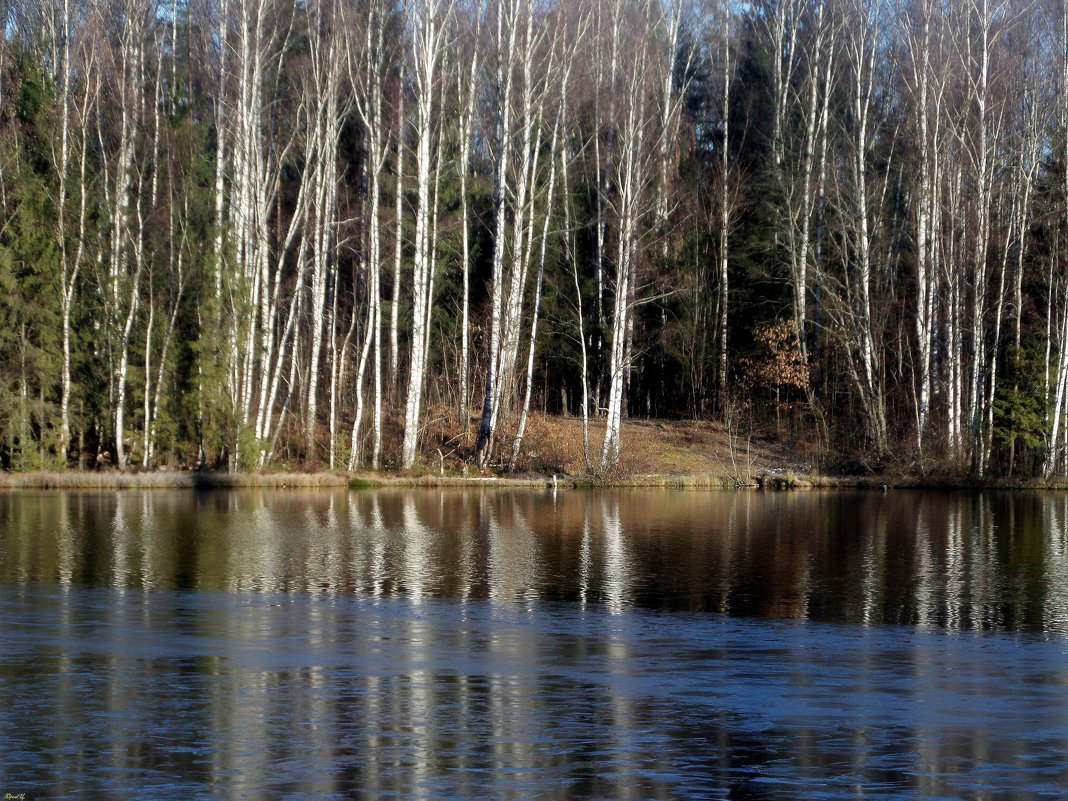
pixel 529 645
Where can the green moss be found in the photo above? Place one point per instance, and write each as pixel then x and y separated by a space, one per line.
pixel 587 483
pixel 360 483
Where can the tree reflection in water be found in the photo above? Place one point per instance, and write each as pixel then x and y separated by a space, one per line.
pixel 509 644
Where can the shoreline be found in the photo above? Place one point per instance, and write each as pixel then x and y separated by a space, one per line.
pixel 777 480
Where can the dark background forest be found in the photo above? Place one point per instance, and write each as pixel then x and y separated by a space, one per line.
pixel 244 233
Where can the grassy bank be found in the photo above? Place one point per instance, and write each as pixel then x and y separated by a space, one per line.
pixel 291 481
pixel 776 479
pixel 76 479
pixel 656 453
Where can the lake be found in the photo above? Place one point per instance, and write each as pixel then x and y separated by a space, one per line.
pixel 523 644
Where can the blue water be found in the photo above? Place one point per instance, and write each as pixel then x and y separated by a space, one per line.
pixel 167 694
pixel 346 658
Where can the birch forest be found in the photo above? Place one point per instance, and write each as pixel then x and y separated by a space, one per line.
pixel 374 234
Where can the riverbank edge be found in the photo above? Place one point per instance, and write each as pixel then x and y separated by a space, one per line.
pixel 770 480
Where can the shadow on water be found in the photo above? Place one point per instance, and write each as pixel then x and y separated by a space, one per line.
pixel 443 644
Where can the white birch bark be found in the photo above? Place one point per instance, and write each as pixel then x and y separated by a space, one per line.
pixel 398 244
pixel 326 63
pixel 852 309
pixel 78 60
pixel 569 254
pixel 726 75
pixel 517 442
pixel 639 123
pixel 522 229
pixel 1057 393
pixel 429 19
pixel 220 148
pixel 368 94
pixel 467 116
pixel 505 41
pixel 67 269
pixel 524 78
pixel 261 140
pixel 920 80
pixel 632 170
pixel 980 267
pixel 124 244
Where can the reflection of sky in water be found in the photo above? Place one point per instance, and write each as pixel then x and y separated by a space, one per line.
pixel 441 644
pixel 152 693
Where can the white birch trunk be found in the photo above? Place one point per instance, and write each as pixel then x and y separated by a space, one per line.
pixel 398 245
pixel 724 207
pixel 505 46
pixel 430 23
pixel 466 129
pixel 517 443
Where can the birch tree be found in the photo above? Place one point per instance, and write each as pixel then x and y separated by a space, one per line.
pixel 326 70
pixel 638 120
pixel 468 91
pixel 514 47
pixel 429 21
pixel 533 55
pixel 850 294
pixel 368 67
pixel 77 65
pixel 1057 336
pixel 926 84
pixel 725 18
pixel 801 37
pixel 125 202
pixel 555 159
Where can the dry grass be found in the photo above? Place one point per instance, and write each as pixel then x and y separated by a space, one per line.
pixel 115 480
pixel 671 451
pixel 655 453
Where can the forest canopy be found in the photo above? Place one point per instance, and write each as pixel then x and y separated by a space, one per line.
pixel 244 232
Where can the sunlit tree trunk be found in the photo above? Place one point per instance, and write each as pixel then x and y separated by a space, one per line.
pixel 369 103
pixel 398 244
pixel 925 92
pixel 467 117
pixel 517 442
pixel 505 41
pixel 78 62
pixel 430 26
pixel 124 244
pixel 326 73
pixel 726 75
